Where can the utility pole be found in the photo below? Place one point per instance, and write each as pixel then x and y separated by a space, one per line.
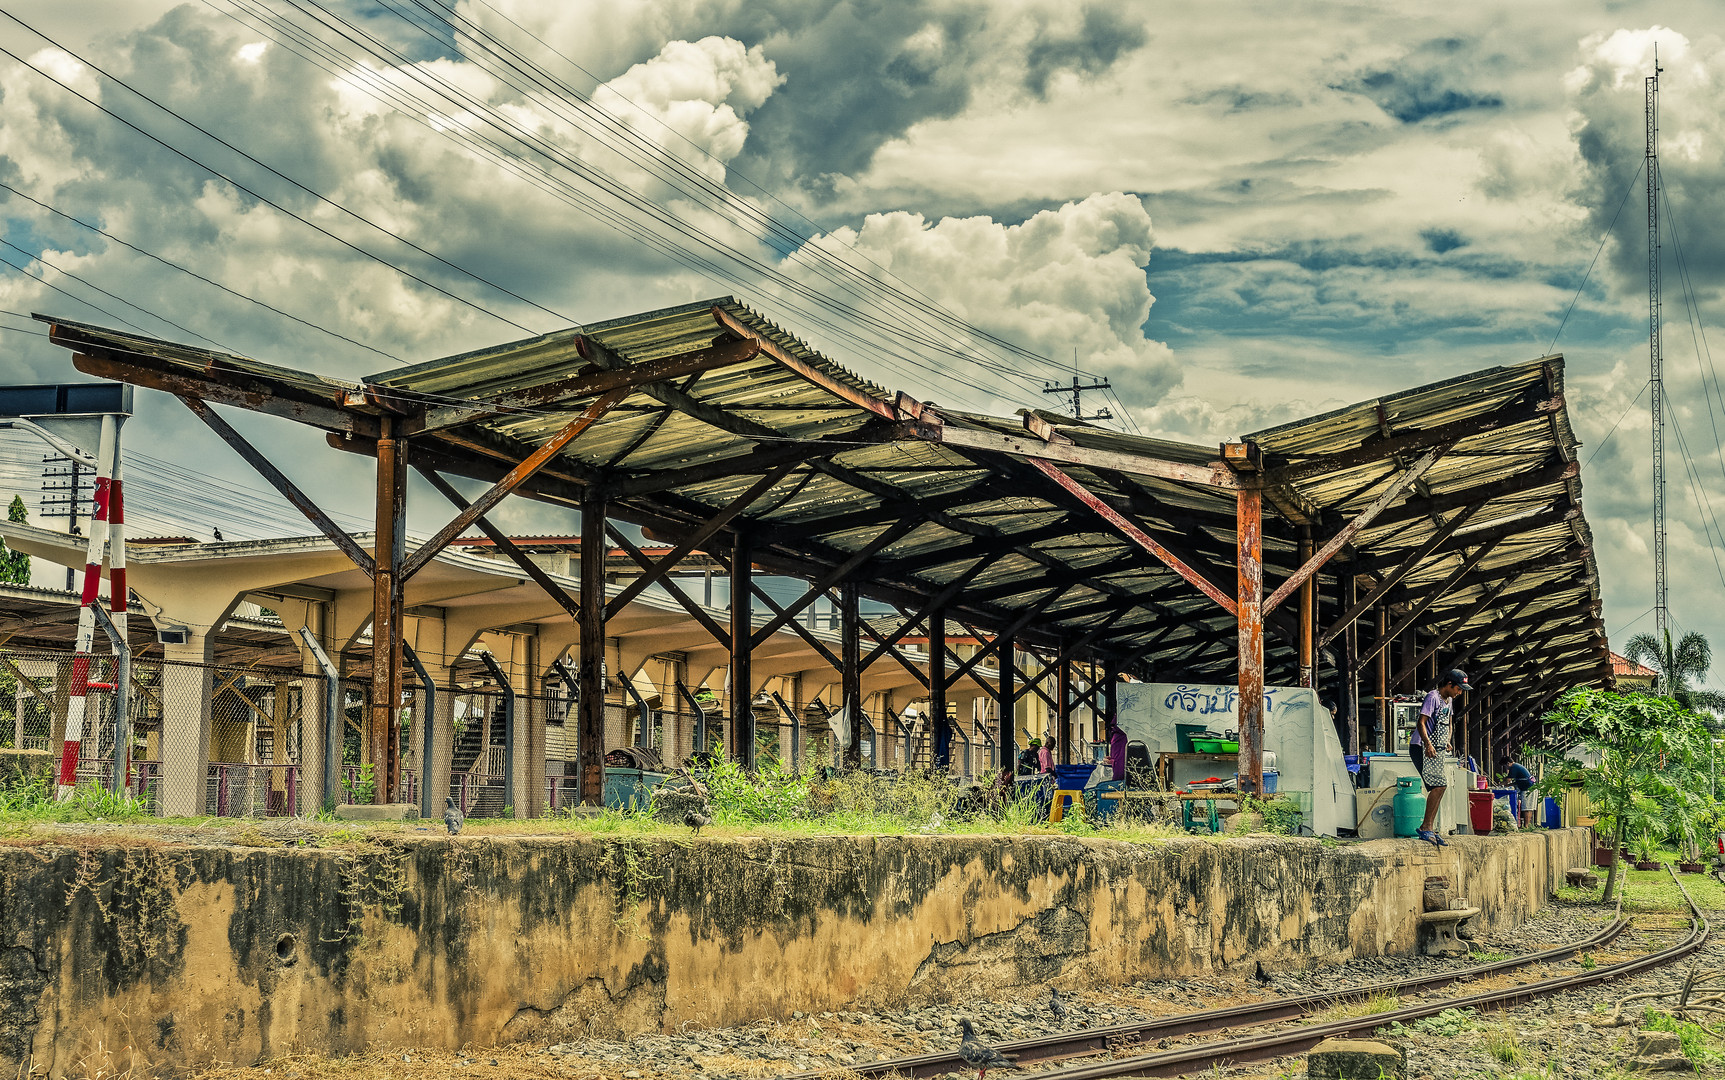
pixel 1076 389
pixel 71 504
pixel 1656 358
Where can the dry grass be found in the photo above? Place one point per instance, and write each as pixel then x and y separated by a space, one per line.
pixel 1370 1006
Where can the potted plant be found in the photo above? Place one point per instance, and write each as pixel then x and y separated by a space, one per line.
pixel 1630 748
pixel 1646 851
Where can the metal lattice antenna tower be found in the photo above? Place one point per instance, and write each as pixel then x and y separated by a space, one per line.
pixel 1656 358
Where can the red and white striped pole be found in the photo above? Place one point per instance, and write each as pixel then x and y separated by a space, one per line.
pixel 106 454
pixel 117 594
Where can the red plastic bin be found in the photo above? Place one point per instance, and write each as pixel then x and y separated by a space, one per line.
pixel 1479 811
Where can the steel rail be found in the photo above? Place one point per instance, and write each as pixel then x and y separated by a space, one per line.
pixel 1232 1051
pixel 1100 1040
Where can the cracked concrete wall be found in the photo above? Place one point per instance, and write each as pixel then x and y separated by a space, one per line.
pixel 163 958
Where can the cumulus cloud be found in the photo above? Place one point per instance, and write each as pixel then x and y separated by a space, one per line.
pixel 1606 92
pixel 1066 279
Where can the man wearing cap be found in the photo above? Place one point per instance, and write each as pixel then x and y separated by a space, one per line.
pixel 1429 745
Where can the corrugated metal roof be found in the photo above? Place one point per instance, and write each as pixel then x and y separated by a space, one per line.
pixel 861 460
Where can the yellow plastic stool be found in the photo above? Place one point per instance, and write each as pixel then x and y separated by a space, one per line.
pixel 1058 809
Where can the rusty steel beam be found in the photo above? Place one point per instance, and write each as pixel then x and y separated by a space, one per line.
pixel 1556 471
pixel 1309 565
pixel 1006 699
pixel 590 670
pixel 850 671
pixel 1441 637
pixel 892 650
pixel 742 652
pixel 820 377
pixel 768 458
pixel 589 382
pixel 1039 453
pixel 1249 499
pixel 694 610
pixel 1132 532
pixel 891 533
pixel 694 540
pixel 265 468
pixel 1412 617
pixel 1485 534
pixel 1378 449
pixel 520 558
pixel 799 629
pixel 235 389
pixel 1395 576
pixel 939 600
pixel 1308 676
pixel 515 478
pixel 382 733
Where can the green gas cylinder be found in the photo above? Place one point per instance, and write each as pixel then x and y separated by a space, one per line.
pixel 1410 805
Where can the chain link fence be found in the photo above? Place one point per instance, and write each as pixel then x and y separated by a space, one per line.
pixel 263 726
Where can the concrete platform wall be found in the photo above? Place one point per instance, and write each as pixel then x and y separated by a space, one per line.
pixel 163 958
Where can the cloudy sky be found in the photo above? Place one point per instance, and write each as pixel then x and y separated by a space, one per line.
pixel 1239 213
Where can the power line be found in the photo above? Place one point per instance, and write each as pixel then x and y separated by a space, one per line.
pixel 249 191
pixel 193 273
pixel 1607 236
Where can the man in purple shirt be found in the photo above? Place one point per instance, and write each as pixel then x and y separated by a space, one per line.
pixel 1430 742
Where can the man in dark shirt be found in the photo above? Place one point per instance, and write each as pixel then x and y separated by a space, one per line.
pixel 1522 781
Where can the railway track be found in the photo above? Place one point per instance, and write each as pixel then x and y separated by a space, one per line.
pixel 1120 1039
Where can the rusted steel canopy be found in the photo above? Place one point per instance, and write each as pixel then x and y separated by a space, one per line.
pixel 719 397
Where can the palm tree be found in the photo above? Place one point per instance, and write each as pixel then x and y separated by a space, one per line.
pixel 1680 667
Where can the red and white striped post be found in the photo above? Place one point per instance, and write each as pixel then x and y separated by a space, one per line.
pixel 106 496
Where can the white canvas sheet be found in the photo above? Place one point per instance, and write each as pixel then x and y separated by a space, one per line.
pixel 1300 733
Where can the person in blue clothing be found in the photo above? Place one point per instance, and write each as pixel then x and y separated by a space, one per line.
pixel 1430 742
pixel 1522 781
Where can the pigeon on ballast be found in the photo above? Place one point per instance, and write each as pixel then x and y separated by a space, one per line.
pixel 1057 1005
pixel 696 820
pixel 452 815
pixel 978 1054
pixel 1261 975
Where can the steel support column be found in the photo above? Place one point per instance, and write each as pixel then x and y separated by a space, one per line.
pixel 590 666
pixel 1249 517
pixel 942 728
pixel 1386 739
pixel 1007 702
pixel 742 652
pixel 383 732
pixel 1350 666
pixel 1062 668
pixel 1308 605
pixel 850 673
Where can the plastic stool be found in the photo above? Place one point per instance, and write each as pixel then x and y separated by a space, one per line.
pixel 1058 809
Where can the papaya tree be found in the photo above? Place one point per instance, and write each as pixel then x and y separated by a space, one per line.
pixel 1633 752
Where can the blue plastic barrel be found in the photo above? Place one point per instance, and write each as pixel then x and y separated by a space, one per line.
pixel 1553 814
pixel 1073 777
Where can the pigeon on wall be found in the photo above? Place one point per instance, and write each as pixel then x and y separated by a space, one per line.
pixel 1057 1005
pixel 452 815
pixel 978 1054
pixel 696 820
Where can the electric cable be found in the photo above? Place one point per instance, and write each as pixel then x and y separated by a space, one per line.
pixel 193 273
pixel 1590 265
pixel 253 193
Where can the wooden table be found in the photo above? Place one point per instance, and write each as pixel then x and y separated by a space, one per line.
pixel 1165 763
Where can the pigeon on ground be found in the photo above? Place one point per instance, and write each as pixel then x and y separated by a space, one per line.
pixel 1057 1005
pixel 696 820
pixel 452 815
pixel 1261 975
pixel 978 1054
